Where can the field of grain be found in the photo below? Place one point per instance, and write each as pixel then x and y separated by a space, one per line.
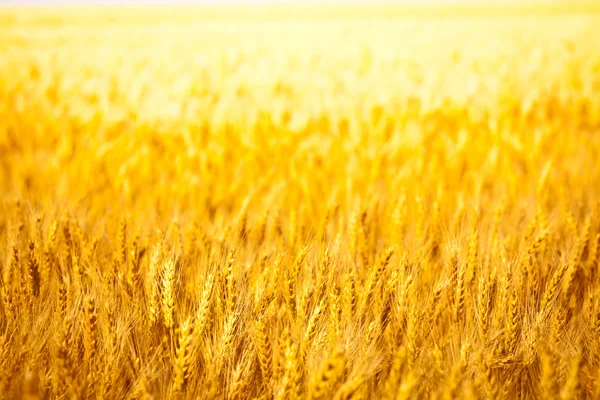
pixel 366 202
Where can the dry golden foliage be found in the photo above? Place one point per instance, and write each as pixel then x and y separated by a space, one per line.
pixel 290 202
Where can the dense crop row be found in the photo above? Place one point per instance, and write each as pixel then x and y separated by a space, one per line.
pixel 302 208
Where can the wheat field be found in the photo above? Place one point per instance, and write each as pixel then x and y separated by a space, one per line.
pixel 278 202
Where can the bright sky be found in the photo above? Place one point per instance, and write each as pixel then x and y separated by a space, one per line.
pixel 280 1
pixel 217 2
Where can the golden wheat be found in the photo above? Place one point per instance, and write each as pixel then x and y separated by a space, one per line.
pixel 290 201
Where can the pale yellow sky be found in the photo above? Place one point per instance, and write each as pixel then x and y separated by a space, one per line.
pixel 415 2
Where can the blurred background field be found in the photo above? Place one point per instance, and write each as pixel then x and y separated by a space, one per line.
pixel 267 89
